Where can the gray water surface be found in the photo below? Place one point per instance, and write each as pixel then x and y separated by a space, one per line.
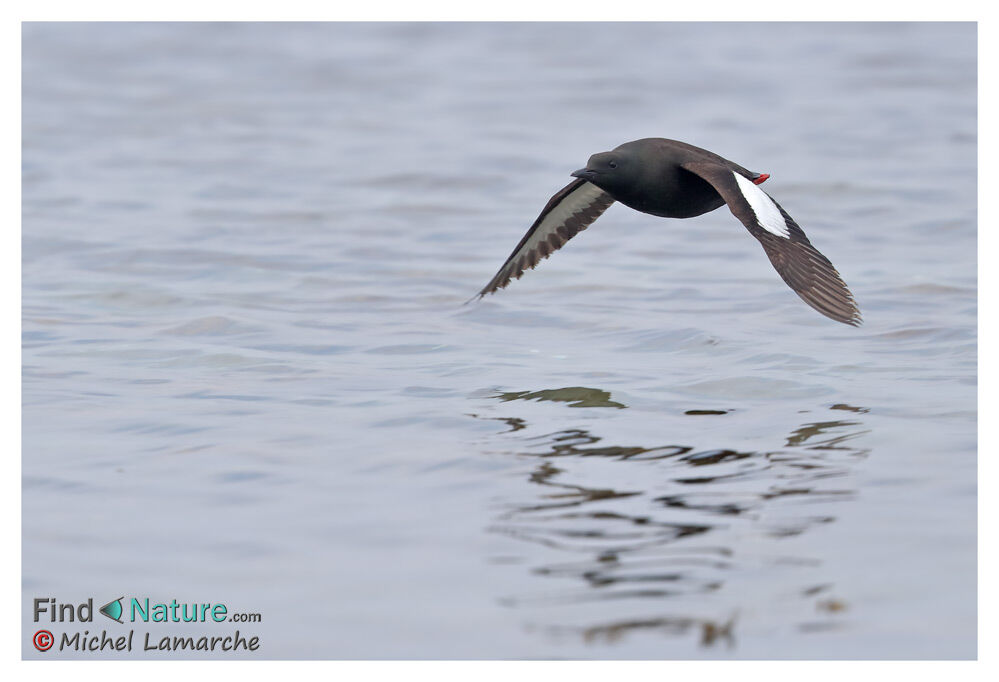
pixel 249 375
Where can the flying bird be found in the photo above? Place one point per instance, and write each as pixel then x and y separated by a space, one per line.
pixel 673 179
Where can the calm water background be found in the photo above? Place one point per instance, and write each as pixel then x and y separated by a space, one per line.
pixel 249 376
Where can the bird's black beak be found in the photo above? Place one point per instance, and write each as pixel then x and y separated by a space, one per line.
pixel 584 173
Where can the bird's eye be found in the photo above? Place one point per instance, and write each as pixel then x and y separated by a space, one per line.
pixel 612 164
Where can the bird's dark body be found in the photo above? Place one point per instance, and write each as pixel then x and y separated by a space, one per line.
pixel 688 196
pixel 657 184
pixel 673 179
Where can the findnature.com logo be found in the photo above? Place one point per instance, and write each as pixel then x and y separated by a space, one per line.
pixel 139 610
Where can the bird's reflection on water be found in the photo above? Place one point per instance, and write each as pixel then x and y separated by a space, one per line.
pixel 576 396
pixel 666 534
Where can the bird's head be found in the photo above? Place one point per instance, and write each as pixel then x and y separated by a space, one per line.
pixel 606 170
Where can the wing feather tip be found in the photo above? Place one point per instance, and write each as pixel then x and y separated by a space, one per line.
pixel 847 315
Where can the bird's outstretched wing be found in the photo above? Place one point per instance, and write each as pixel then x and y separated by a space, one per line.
pixel 567 213
pixel 800 265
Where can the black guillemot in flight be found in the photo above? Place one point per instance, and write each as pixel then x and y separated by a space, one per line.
pixel 676 180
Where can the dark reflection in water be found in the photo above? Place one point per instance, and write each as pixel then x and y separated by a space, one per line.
pixel 665 529
pixel 576 396
pixel 711 632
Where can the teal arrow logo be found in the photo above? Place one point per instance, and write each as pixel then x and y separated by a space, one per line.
pixel 113 609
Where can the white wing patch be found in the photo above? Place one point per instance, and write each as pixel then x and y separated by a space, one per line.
pixel 767 214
